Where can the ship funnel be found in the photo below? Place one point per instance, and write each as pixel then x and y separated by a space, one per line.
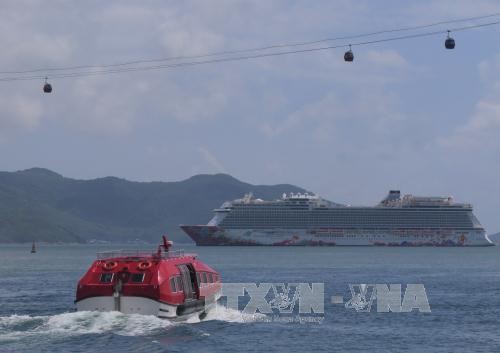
pixel 394 195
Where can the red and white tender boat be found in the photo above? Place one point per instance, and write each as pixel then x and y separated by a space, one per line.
pixel 165 283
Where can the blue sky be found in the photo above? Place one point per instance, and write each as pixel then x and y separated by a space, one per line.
pixel 406 115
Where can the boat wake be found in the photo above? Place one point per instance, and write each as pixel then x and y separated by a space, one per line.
pixel 221 313
pixel 79 323
pixel 17 327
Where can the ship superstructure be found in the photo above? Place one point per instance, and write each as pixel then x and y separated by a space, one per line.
pixel 305 219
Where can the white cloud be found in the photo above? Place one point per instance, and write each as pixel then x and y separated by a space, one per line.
pixel 26 40
pixel 179 41
pixel 482 129
pixel 98 106
pixel 489 71
pixel 211 160
pixel 19 113
pixel 125 14
pixel 190 106
pixel 372 113
pixel 389 58
pixel 275 129
pixel 428 11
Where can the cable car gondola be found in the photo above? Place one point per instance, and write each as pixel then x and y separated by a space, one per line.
pixel 349 56
pixel 47 87
pixel 449 43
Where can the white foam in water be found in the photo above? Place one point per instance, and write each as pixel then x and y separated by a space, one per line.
pixel 16 327
pixel 8 321
pixel 98 322
pixel 221 313
pixel 85 322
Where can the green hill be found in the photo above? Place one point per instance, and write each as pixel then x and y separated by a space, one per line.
pixel 38 204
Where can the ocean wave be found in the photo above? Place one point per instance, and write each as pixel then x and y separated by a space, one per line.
pixel 15 327
pixel 222 313
pixel 79 323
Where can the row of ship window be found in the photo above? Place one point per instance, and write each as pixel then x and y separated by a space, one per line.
pixel 347 212
pixel 203 278
pixel 382 236
pixel 298 223
pixel 339 219
pixel 346 216
pixel 249 207
pixel 316 219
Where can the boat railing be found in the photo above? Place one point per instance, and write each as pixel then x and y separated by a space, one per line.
pixel 140 254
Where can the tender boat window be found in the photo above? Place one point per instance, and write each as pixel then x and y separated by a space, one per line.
pixel 137 277
pixel 198 278
pixel 179 283
pixel 210 278
pixel 173 287
pixel 106 277
pixel 204 277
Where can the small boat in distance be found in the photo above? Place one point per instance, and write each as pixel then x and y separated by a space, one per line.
pixel 33 248
pixel 165 283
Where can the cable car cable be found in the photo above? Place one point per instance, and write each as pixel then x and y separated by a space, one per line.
pixel 239 58
pixel 240 51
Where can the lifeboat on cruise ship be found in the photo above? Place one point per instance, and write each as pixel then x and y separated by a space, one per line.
pixel 168 284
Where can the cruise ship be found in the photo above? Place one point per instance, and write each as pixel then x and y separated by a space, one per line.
pixel 305 219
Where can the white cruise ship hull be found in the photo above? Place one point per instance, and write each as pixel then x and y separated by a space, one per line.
pixel 215 235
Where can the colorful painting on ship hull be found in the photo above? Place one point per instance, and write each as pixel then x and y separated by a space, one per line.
pixel 214 235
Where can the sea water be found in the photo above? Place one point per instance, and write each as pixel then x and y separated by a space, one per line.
pixel 462 286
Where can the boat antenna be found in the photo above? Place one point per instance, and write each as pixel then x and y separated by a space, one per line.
pixel 167 244
pixel 164 246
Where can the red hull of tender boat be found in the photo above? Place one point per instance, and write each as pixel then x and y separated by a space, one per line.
pixel 163 283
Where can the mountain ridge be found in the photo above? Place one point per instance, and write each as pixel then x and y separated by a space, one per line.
pixel 38 204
